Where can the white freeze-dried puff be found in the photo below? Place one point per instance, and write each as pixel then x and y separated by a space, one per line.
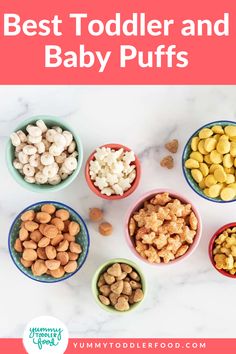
pixel 40 147
pixel 68 137
pixel 95 166
pixel 41 125
pixel 47 159
pixel 50 134
pixel 34 131
pixel 101 153
pixel 15 140
pixel 40 178
pixel 118 189
pixel 101 182
pixel 56 150
pixel 129 157
pixel 23 158
pixel 60 140
pixel 58 129
pixel 50 171
pixel 29 179
pixel 107 191
pixel 28 170
pixel 22 136
pixel 55 180
pixel 70 163
pixel 17 164
pixel 34 160
pixel 34 139
pixel 29 149
pixel 71 147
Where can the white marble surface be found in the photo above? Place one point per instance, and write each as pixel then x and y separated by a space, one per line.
pixel 186 300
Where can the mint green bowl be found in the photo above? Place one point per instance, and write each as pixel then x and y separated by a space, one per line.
pixel 82 238
pixel 186 154
pixel 43 188
pixel 103 267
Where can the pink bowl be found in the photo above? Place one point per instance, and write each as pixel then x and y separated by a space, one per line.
pixel 211 246
pixel 97 191
pixel 138 204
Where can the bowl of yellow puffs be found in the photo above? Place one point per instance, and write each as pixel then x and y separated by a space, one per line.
pixel 222 250
pixel 209 161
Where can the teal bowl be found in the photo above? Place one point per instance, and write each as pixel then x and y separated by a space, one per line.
pixel 82 238
pixel 186 153
pixel 41 188
pixel 103 267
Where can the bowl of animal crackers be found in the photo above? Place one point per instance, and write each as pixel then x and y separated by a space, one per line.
pixel 163 227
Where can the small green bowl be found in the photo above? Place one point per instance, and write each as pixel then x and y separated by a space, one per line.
pixel 41 188
pixel 103 267
pixel 82 238
pixel 186 153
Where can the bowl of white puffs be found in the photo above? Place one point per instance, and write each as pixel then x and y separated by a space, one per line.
pixel 44 154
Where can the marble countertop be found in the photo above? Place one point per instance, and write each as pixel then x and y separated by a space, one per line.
pixel 185 300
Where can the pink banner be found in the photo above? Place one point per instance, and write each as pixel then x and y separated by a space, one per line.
pixel 125 42
pixel 121 346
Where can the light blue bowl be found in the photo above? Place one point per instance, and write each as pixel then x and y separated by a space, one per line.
pixel 187 172
pixel 82 238
pixel 41 188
